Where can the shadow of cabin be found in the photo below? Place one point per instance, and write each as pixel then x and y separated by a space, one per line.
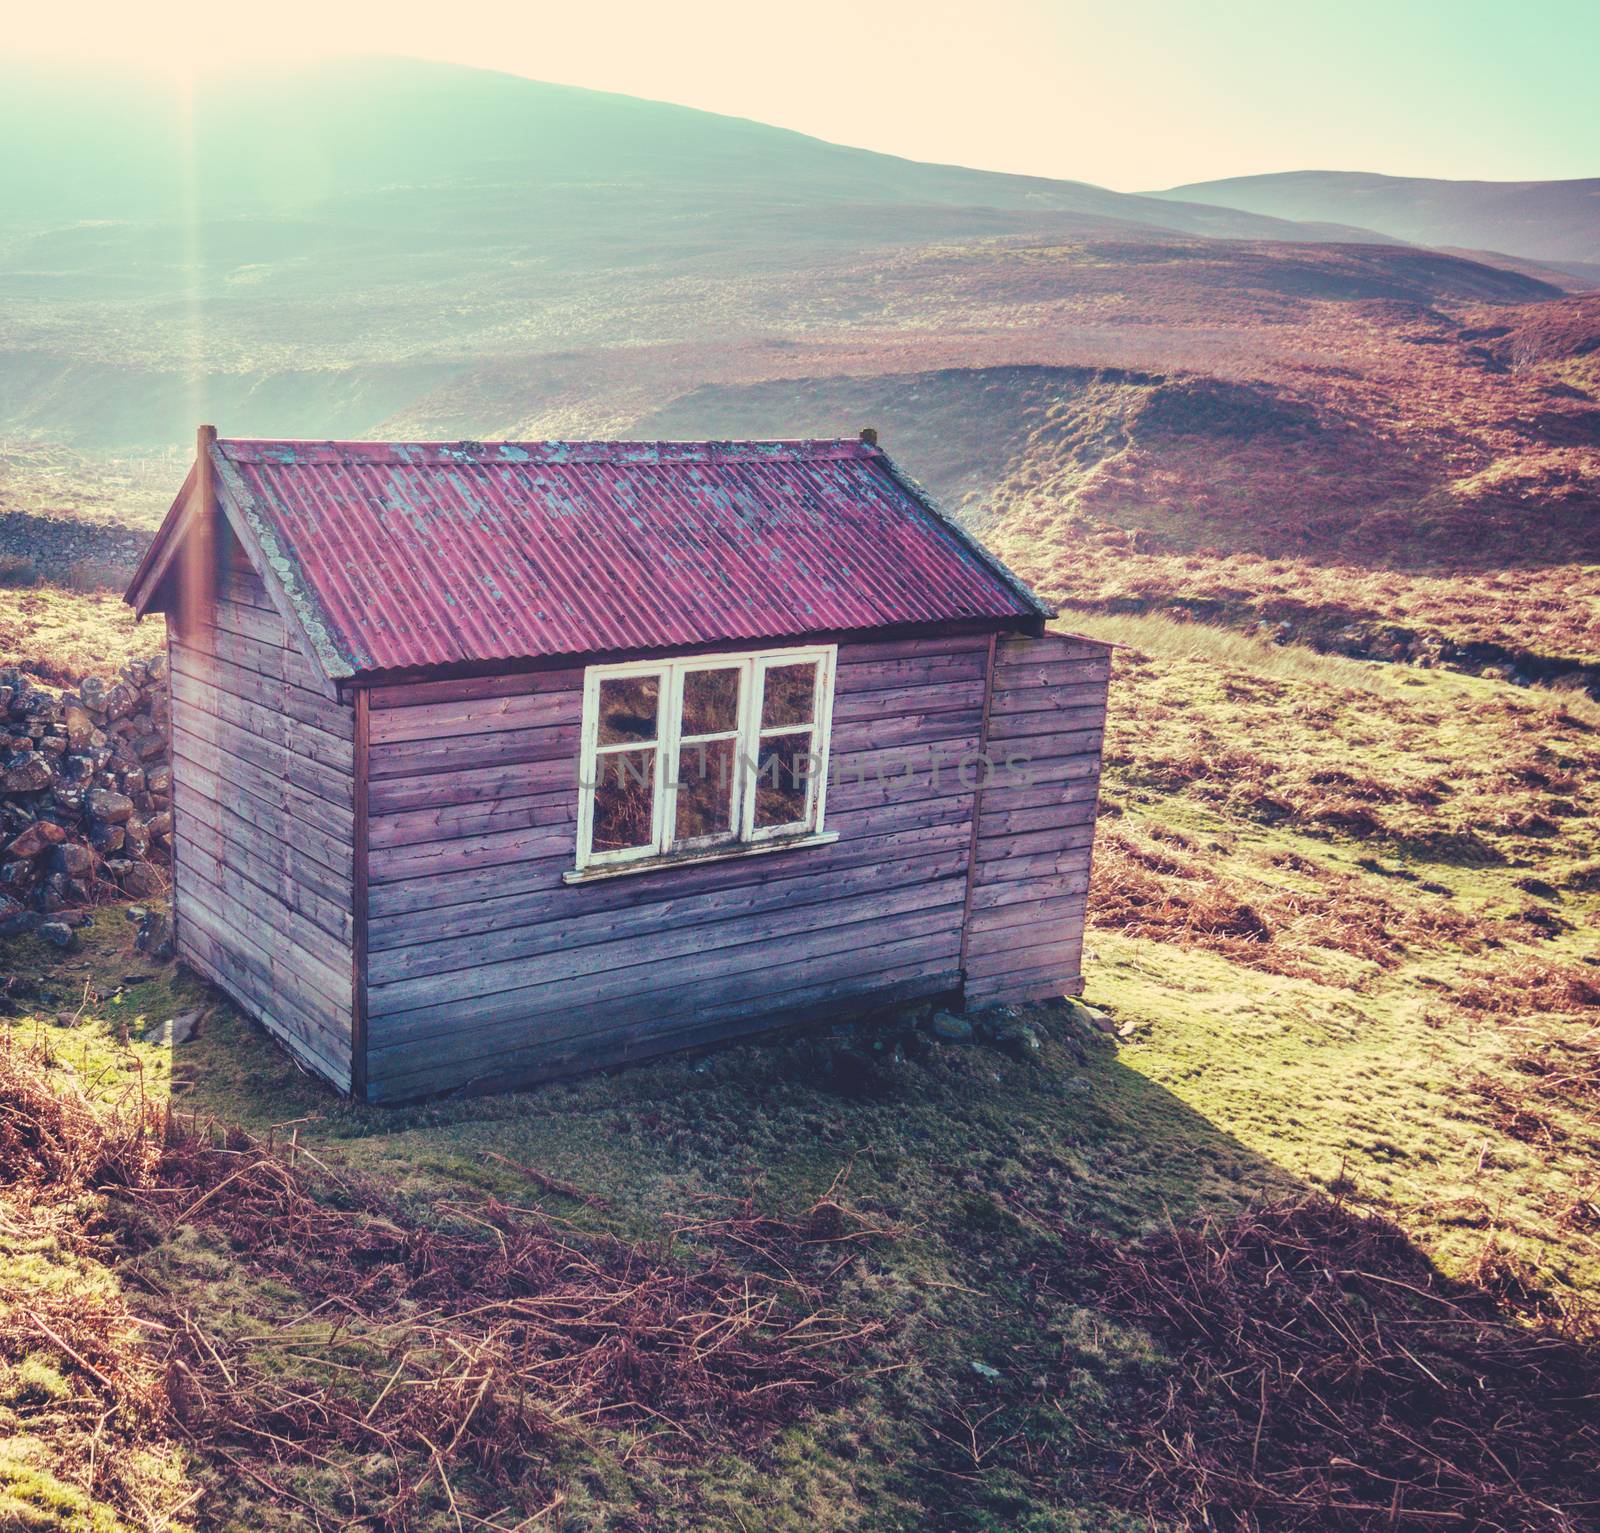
pixel 442 719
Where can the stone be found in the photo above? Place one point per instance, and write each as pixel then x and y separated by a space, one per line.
pixel 175 1030
pixel 951 1028
pixel 18 920
pixel 133 782
pixel 107 804
pixel 148 745
pixel 120 701
pixel 1018 1040
pixel 992 1021
pixel 136 838
pixel 38 837
pixel 159 779
pixel 135 913
pixel 1091 1017
pixel 142 879
pixel 79 726
pixel 105 837
pixel 74 859
pixel 58 934
pixel 160 824
pixel 154 938
pixel 29 772
pixel 17 874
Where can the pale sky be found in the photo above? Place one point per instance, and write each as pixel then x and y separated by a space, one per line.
pixel 1133 95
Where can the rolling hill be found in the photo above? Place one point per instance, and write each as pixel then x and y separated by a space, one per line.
pixel 1554 221
pixel 384 248
pixel 313 249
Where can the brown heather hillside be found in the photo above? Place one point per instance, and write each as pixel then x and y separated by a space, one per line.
pixel 1332 437
pixel 1244 430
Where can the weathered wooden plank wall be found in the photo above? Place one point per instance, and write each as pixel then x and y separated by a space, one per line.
pixel 1030 875
pixel 483 967
pixel 262 767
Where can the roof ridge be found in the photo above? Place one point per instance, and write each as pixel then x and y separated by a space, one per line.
pixel 286 450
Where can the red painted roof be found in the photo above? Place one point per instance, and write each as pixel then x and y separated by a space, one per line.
pixel 413 555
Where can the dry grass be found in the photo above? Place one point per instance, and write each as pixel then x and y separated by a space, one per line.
pixel 1552 610
pixel 1326 1378
pixel 60 636
pixel 470 1346
pixel 82 1396
pixel 1286 918
pixel 1178 638
pixel 1453 770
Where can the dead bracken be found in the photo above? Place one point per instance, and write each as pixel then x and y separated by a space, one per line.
pixel 475 1342
pixel 1327 1378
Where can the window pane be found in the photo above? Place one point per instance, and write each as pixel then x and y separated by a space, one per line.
pixel 790 695
pixel 782 774
pixel 628 708
pixel 705 790
pixel 711 701
pixel 624 797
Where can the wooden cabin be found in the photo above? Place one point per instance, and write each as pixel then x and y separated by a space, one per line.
pixel 500 761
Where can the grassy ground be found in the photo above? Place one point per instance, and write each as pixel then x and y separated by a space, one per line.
pixel 60 636
pixel 1345 918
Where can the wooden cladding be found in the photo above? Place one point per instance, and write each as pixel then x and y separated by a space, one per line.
pixel 483 966
pixel 1032 838
pixel 380 881
pixel 263 875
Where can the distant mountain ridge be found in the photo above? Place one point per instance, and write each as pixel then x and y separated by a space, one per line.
pixel 343 137
pixel 1556 221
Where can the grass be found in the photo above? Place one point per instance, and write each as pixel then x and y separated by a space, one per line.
pixel 1173 638
pixel 1309 923
pixel 59 635
pixel 1551 610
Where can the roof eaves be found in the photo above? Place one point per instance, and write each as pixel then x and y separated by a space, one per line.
pixel 989 560
pixel 158 557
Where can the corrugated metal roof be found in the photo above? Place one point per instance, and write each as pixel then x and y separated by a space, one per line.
pixel 407 555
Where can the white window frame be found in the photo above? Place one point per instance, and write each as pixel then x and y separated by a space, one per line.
pixel 744 836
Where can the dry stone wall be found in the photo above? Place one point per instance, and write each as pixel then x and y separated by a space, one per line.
pixel 85 791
